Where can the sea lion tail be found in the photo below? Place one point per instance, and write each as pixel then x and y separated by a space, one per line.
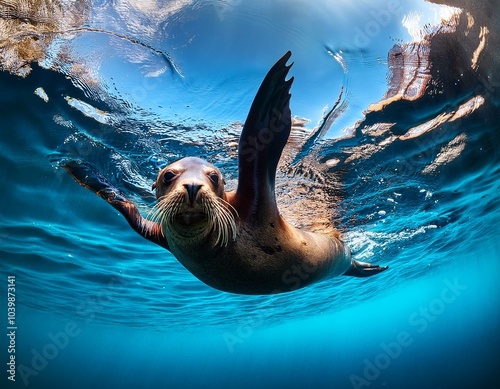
pixel 364 269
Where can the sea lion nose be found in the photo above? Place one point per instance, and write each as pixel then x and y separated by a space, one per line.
pixel 192 190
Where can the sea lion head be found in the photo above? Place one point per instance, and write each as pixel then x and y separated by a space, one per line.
pixel 190 203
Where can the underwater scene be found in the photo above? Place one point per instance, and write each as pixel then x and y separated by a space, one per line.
pixel 394 144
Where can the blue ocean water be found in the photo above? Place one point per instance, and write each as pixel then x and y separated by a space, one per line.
pixel 408 154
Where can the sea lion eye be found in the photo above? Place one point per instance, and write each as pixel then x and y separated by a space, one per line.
pixel 169 176
pixel 214 177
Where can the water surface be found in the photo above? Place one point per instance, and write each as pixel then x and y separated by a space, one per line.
pixel 396 108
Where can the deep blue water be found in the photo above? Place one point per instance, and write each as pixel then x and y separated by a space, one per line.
pixel 133 86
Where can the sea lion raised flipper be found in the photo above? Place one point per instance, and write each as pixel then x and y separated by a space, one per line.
pixel 88 176
pixel 262 140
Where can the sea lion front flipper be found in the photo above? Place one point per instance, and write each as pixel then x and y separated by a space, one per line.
pixel 364 269
pixel 88 176
pixel 262 140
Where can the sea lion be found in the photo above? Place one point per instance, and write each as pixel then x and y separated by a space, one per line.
pixel 236 241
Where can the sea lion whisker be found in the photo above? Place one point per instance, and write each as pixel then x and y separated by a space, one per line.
pixel 207 209
pixel 231 222
pixel 210 207
pixel 221 226
pixel 220 199
pixel 155 214
pixel 224 222
pixel 158 210
pixel 152 217
pixel 229 214
pixel 165 209
pixel 173 208
pixel 157 206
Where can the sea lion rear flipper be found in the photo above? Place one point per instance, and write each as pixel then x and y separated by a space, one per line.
pixel 262 140
pixel 88 176
pixel 363 269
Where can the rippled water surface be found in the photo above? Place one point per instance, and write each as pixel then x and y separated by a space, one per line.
pixel 394 141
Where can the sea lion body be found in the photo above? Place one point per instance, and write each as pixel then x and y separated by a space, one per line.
pixel 273 259
pixel 266 256
pixel 237 241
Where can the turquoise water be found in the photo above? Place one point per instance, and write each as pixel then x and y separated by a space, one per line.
pixel 413 186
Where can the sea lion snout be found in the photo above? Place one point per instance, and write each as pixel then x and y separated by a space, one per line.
pixel 192 191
